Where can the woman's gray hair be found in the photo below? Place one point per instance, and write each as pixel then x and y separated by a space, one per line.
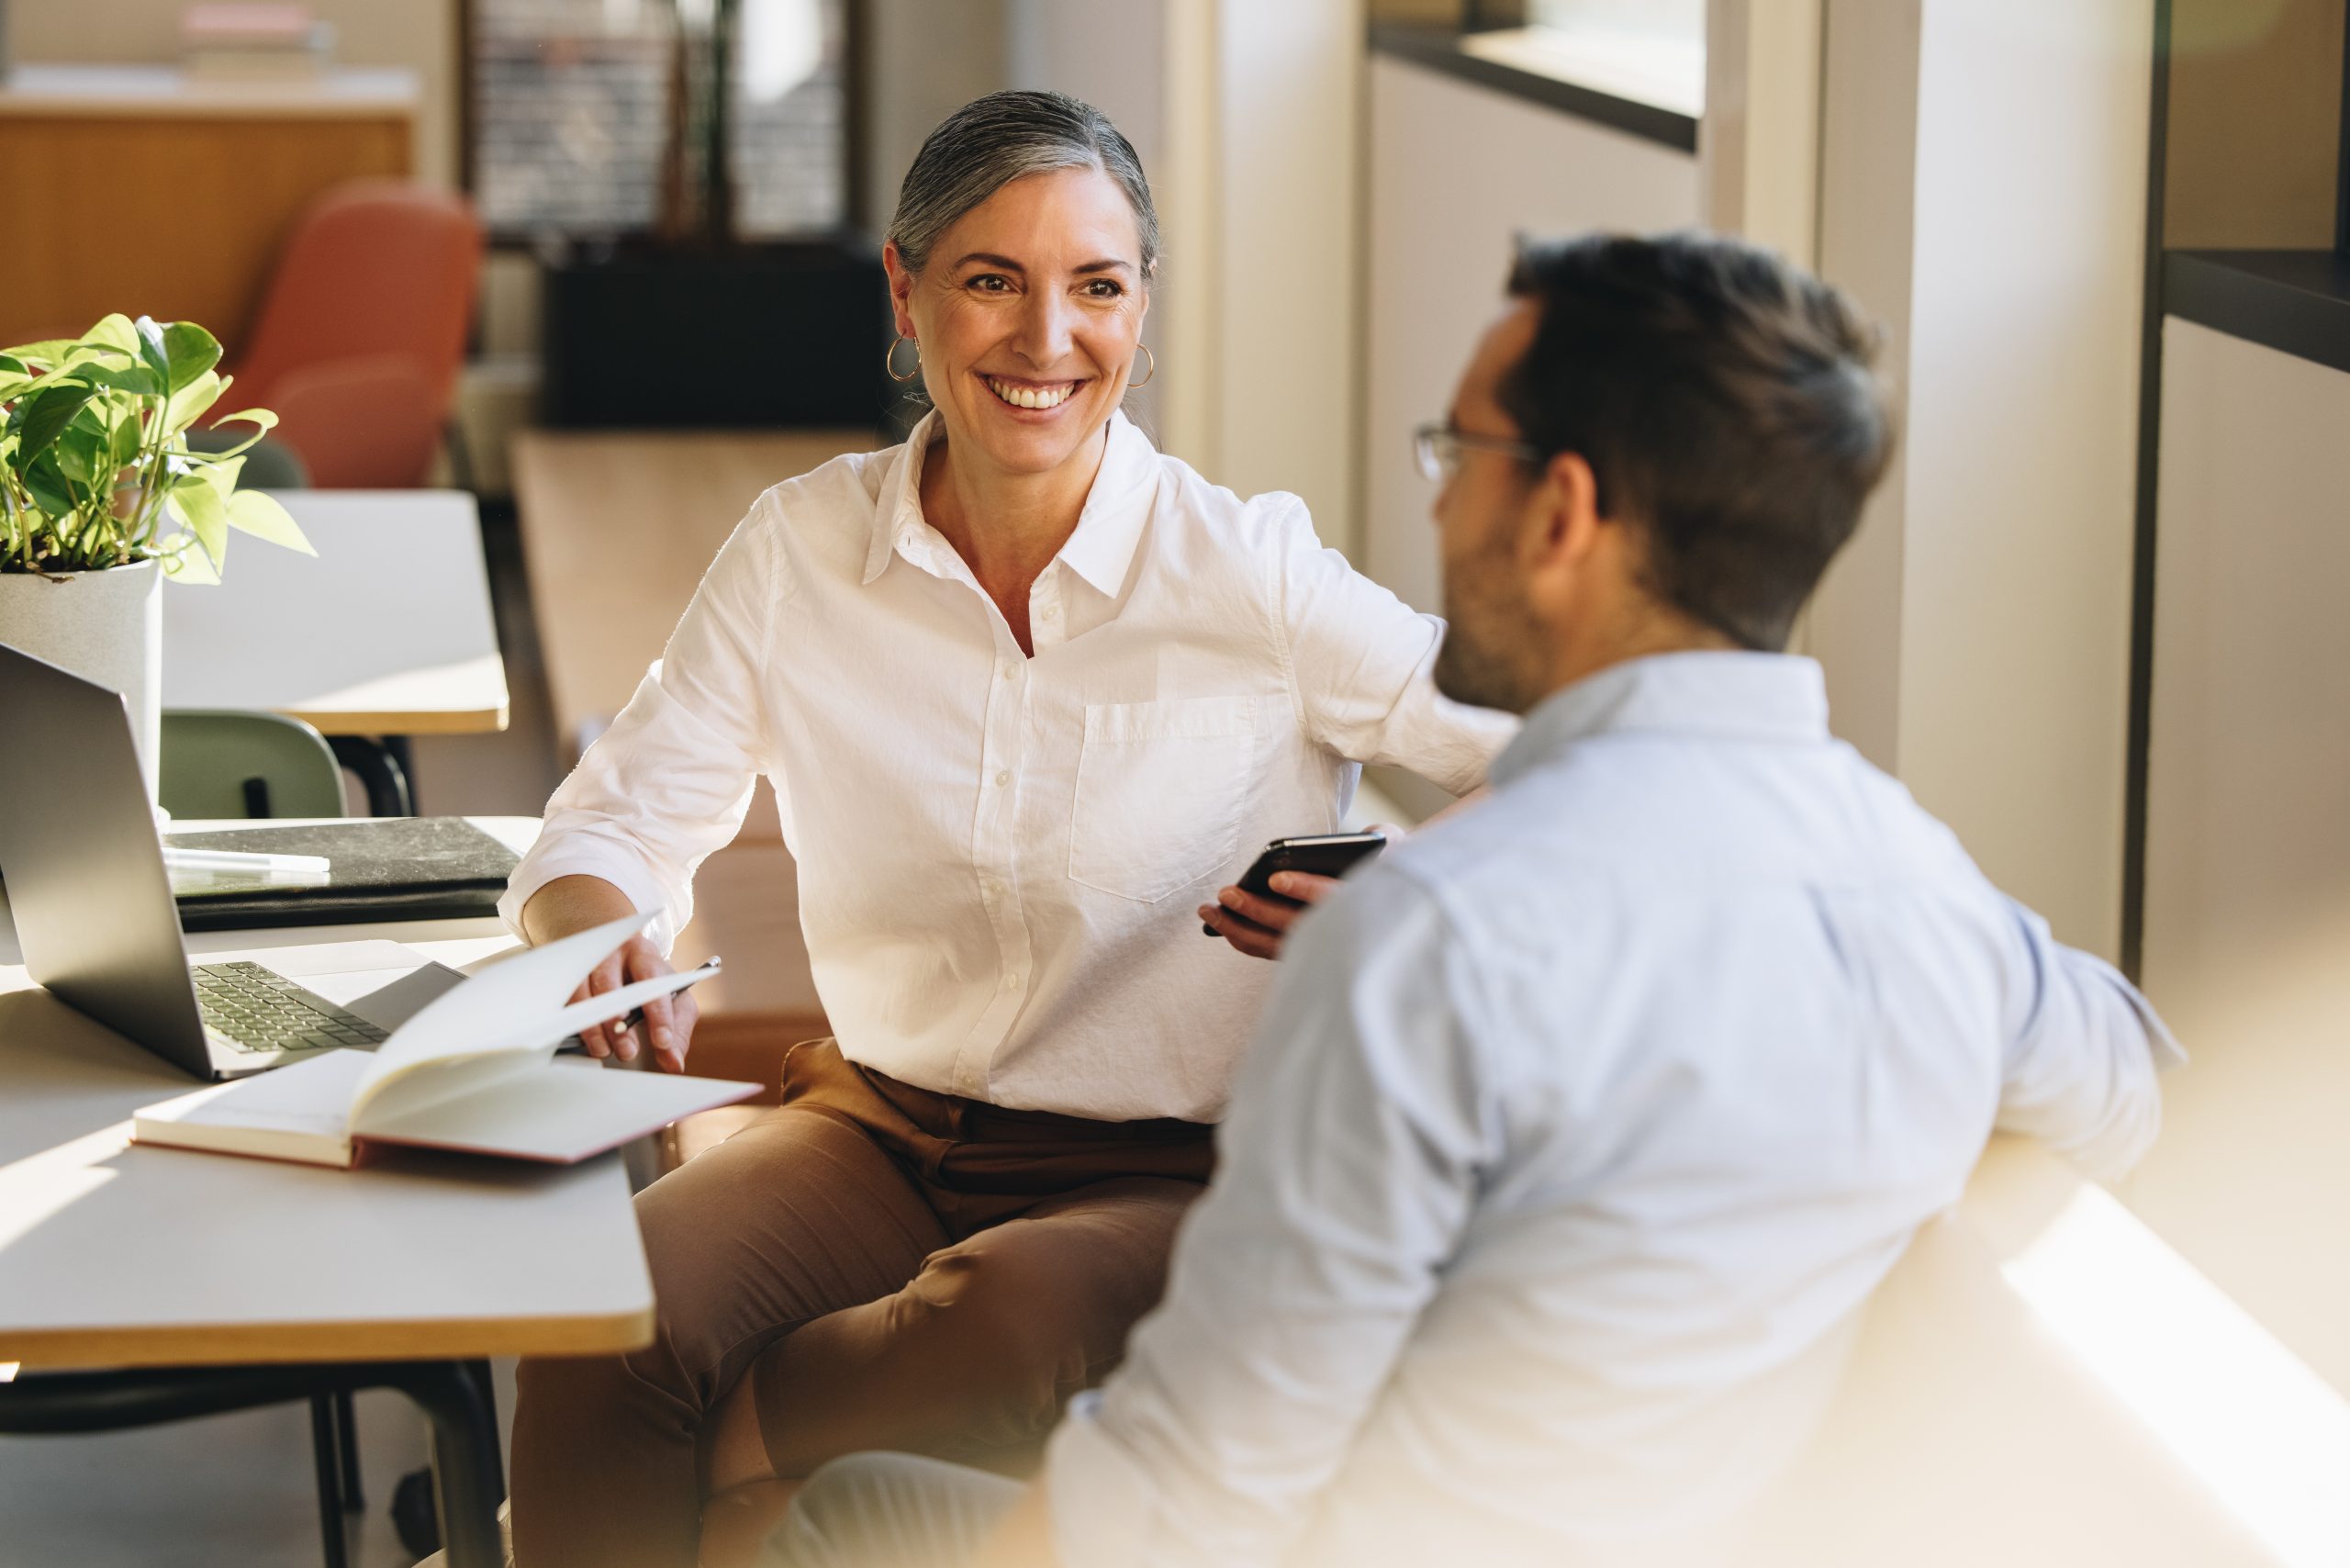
pixel 991 141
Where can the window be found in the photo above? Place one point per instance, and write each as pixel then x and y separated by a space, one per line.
pixel 1651 51
pixel 571 104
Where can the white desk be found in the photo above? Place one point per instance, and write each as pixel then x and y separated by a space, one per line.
pixel 386 632
pixel 270 1282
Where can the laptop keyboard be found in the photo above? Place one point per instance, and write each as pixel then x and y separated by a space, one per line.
pixel 249 1008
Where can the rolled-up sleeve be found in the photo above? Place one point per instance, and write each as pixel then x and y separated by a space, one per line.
pixel 1364 663
pixel 1346 1178
pixel 2081 1061
pixel 672 777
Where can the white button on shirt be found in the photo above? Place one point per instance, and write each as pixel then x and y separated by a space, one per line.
pixel 999 857
pixel 1576 1131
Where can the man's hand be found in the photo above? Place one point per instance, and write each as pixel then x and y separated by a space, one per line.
pixel 1258 926
pixel 669 1024
pixel 576 904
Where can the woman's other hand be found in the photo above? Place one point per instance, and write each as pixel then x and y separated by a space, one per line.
pixel 1258 926
pixel 576 904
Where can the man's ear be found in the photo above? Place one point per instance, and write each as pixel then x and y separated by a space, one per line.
pixel 902 288
pixel 1563 526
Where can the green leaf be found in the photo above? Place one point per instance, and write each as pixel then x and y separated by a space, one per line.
pixel 82 451
pixel 220 473
pixel 41 414
pixel 114 332
pixel 125 442
pixel 11 364
pixel 199 506
pixel 257 513
pixel 191 349
pixel 261 420
pixel 44 354
pixel 150 346
pixel 136 379
pixel 191 565
pixel 46 487
pixel 190 401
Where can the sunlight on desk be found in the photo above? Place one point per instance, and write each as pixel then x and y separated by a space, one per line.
pixel 37 1187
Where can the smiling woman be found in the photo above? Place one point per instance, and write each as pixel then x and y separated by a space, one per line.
pixel 1019 264
pixel 1028 692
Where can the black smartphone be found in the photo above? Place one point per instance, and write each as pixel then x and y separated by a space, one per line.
pixel 1321 854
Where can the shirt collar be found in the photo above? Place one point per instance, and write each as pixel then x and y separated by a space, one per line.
pixel 1745 696
pixel 1099 549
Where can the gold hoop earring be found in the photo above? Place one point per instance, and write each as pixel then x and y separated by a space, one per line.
pixel 890 361
pixel 1147 374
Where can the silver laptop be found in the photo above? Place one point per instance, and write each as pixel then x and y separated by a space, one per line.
pixel 92 901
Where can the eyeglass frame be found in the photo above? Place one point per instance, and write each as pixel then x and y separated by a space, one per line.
pixel 1430 440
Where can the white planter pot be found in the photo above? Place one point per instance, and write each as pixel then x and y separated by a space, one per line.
pixel 106 627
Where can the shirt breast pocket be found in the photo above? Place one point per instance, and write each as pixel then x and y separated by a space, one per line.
pixel 1161 788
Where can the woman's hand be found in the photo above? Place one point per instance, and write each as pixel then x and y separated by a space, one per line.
pixel 1258 926
pixel 575 903
pixel 668 1025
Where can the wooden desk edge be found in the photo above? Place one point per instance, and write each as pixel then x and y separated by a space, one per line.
pixel 442 721
pixel 251 1344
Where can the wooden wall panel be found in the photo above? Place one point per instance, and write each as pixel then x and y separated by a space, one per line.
pixel 177 218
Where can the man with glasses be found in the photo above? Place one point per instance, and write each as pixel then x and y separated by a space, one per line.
pixel 1580 1127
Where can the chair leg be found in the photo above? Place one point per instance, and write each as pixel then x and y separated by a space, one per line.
pixel 346 1434
pixel 322 1449
pixel 377 763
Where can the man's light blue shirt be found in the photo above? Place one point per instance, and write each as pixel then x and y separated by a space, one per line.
pixel 1576 1131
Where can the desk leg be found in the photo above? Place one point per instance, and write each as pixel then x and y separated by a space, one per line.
pixel 324 1453
pixel 346 1440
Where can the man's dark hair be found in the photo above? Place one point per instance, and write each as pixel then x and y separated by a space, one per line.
pixel 1725 401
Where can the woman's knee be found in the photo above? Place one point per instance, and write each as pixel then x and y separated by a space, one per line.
pixel 1002 1331
pixel 1022 1320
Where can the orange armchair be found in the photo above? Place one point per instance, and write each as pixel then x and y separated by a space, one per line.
pixel 362 330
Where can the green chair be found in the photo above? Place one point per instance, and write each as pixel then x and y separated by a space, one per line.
pixel 227 763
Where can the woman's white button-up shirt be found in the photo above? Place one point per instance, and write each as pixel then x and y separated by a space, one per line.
pixel 1001 855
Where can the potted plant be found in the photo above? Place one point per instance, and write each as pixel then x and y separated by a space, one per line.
pixel 102 498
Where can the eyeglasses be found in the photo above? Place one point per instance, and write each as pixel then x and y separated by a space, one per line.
pixel 1436 449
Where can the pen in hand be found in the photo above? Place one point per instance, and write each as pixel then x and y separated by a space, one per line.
pixel 617 1029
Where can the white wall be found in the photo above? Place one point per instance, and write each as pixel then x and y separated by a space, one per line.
pixel 1088 49
pixel 1984 194
pixel 923 61
pixel 1244 116
pixel 2247 925
pixel 1456 169
pixel 1286 336
pixel 1759 159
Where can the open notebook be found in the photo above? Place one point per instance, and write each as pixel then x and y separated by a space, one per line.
pixel 474 1070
